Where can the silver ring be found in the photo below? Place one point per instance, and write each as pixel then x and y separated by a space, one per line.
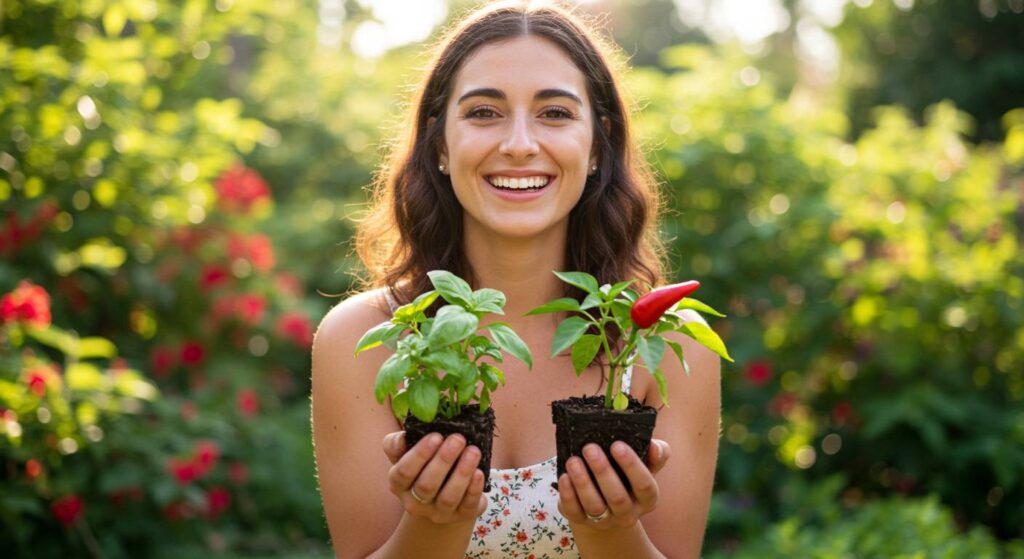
pixel 421 500
pixel 600 517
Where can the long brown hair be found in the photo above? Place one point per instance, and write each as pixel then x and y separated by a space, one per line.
pixel 415 222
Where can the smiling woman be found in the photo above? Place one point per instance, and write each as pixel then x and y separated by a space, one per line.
pixel 519 162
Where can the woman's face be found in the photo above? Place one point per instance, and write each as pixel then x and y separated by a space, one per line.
pixel 518 138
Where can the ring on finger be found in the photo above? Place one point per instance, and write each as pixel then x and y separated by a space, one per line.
pixel 420 500
pixel 600 517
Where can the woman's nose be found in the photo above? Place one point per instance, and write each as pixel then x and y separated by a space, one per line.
pixel 519 141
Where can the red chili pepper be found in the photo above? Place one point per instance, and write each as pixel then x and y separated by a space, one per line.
pixel 649 308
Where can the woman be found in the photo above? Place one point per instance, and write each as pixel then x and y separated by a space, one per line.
pixel 519 162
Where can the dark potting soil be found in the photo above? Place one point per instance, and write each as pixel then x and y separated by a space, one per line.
pixel 478 428
pixel 582 420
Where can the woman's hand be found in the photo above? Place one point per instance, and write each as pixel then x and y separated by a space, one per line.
pixel 608 505
pixel 417 477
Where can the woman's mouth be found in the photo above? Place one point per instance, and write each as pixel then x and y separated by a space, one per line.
pixel 519 184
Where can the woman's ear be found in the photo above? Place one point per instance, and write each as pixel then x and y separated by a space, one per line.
pixel 442 157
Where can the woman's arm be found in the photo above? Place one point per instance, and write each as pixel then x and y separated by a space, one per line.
pixel 369 509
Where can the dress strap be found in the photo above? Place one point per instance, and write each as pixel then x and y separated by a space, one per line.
pixel 627 378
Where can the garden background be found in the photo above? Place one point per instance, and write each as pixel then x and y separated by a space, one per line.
pixel 179 182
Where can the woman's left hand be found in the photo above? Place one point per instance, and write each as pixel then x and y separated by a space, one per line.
pixel 608 505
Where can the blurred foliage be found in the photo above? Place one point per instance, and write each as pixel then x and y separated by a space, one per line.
pixel 181 180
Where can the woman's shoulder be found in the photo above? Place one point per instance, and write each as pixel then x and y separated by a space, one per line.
pixel 353 316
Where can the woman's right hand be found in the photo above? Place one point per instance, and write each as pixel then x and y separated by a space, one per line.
pixel 423 468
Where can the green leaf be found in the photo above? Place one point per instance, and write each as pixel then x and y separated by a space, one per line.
pixel 567 333
pixel 400 404
pixel 485 399
pixel 391 372
pixel 451 325
pixel 95 348
pixel 453 288
pixel 617 288
pixel 133 385
pixel 706 337
pixel 694 304
pixel 424 397
pixel 83 376
pixel 414 311
pixel 592 300
pixel 621 402
pixel 651 349
pixel 452 362
pixel 558 305
pixel 620 310
pixel 53 337
pixel 582 280
pixel 584 350
pixel 467 388
pixel 378 335
pixel 677 348
pixel 509 341
pixel 490 378
pixel 489 300
pixel 659 376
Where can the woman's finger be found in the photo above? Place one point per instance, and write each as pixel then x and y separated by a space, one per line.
pixel 454 490
pixel 658 455
pixel 473 503
pixel 641 480
pixel 394 446
pixel 612 489
pixel 428 483
pixel 568 502
pixel 588 494
pixel 408 468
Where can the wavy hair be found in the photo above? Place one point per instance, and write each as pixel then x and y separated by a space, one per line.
pixel 415 222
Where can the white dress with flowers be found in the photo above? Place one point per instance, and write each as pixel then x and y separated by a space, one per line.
pixel 522 518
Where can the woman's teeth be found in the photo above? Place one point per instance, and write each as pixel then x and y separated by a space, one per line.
pixel 521 183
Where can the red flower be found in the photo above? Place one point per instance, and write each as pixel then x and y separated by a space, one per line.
pixel 496 523
pixel 289 284
pixel 257 249
pixel 68 509
pixel 248 402
pixel 527 475
pixel 207 452
pixel 192 353
pixel 564 542
pixel 37 382
pixel 504 491
pixel 250 308
pixel 33 469
pixel 540 516
pixel 218 500
pixel 29 303
pixel 238 473
pixel 521 537
pixel 162 359
pixel 295 327
pixel 482 530
pixel 212 276
pixel 505 512
pixel 240 189
pixel 759 373
pixel 184 471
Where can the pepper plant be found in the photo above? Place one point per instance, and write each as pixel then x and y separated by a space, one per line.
pixel 640 321
pixel 450 342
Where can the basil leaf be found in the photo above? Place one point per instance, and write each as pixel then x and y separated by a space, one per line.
pixel 509 341
pixel 488 300
pixel 390 374
pixel 378 335
pixel 563 304
pixel 452 324
pixel 453 288
pixel 424 397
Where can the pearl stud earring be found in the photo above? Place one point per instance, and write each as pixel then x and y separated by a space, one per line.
pixel 441 167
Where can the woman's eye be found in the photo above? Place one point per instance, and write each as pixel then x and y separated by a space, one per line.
pixel 557 113
pixel 482 112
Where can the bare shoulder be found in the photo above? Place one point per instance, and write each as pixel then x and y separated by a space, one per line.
pixel 353 316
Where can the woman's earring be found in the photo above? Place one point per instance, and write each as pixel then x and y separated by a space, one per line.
pixel 593 169
pixel 441 167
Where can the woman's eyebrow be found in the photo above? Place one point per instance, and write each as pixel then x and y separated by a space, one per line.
pixel 495 93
